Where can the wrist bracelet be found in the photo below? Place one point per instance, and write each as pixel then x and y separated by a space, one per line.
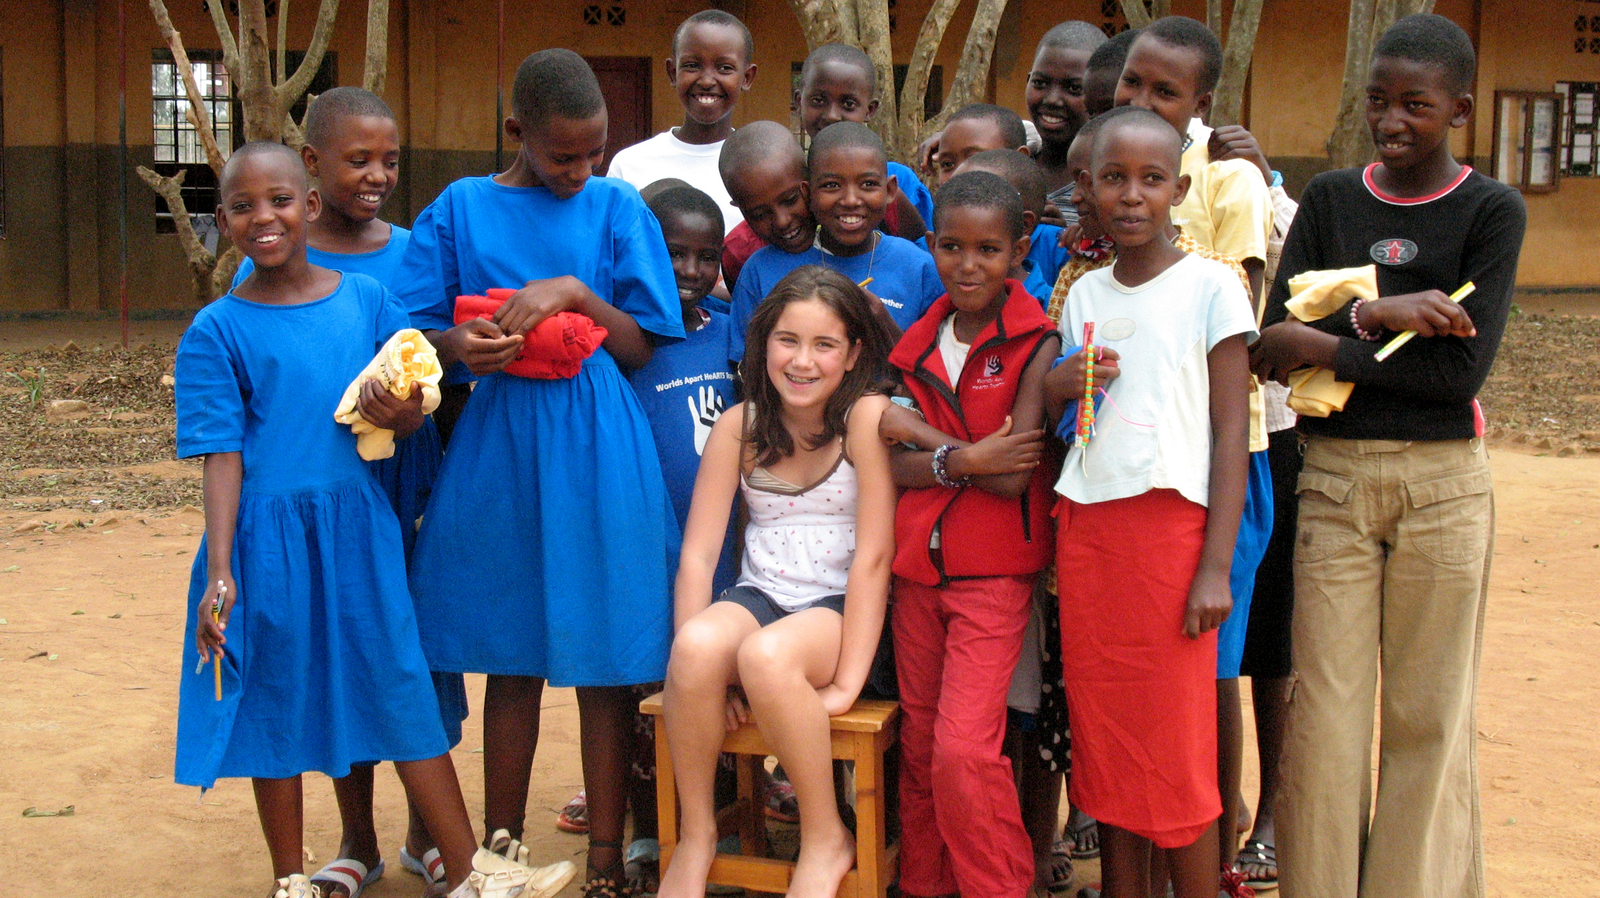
pixel 1355 323
pixel 941 457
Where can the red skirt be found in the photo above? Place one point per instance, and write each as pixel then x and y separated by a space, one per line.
pixel 1141 696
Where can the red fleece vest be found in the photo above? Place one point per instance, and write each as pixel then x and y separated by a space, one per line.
pixel 983 535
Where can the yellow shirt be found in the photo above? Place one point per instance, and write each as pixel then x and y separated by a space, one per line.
pixel 1229 206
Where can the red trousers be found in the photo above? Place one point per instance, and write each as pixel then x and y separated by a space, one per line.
pixel 955 648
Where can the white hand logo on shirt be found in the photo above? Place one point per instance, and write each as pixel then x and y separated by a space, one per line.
pixel 705 414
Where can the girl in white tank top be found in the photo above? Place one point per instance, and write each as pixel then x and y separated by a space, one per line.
pixel 798 632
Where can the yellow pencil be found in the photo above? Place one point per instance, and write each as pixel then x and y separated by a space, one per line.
pixel 1405 337
pixel 865 282
pixel 216 654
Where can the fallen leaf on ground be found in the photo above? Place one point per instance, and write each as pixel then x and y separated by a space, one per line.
pixel 67 811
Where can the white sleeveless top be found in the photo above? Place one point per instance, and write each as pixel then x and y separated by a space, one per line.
pixel 800 540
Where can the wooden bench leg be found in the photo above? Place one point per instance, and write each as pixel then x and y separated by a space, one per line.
pixel 870 862
pixel 666 795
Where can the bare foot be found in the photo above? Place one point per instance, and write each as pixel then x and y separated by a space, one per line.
pixel 822 864
pixel 685 876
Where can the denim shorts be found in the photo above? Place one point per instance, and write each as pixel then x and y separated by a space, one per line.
pixel 766 611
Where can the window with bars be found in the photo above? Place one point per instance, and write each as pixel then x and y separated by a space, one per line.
pixel 1580 136
pixel 176 143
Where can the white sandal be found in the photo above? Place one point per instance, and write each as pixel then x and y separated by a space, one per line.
pixel 512 850
pixel 493 876
pixel 430 866
pixel 296 885
pixel 349 873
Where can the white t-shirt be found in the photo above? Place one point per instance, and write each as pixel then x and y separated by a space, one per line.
pixel 665 156
pixel 952 351
pixel 1154 431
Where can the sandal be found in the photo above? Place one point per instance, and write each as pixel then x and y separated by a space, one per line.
pixel 511 849
pixel 1084 835
pixel 1233 884
pixel 296 885
pixel 641 865
pixel 1260 855
pixel 1060 867
pixel 782 805
pixel 347 874
pixel 605 884
pixel 430 866
pixel 574 818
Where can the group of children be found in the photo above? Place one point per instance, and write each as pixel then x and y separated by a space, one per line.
pixel 1013 423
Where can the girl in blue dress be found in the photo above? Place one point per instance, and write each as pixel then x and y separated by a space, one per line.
pixel 545 549
pixel 298 591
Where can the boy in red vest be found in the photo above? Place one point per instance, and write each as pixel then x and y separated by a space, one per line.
pixel 972 532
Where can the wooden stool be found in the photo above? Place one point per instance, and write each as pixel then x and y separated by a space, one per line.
pixel 861 735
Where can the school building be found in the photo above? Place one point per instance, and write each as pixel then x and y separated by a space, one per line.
pixel 62 82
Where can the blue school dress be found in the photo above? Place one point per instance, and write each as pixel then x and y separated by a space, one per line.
pixel 323 666
pixel 547 544
pixel 684 389
pixel 407 476
pixel 903 276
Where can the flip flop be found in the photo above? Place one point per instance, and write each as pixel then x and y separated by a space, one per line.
pixel 430 866
pixel 1060 858
pixel 574 818
pixel 1079 833
pixel 1257 853
pixel 350 874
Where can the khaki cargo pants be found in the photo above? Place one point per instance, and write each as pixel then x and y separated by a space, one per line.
pixel 1390 566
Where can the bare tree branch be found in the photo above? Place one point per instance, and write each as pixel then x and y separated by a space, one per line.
pixel 252 82
pixel 1229 97
pixel 230 47
pixel 972 73
pixel 1214 16
pixel 1135 13
pixel 198 114
pixel 374 73
pixel 873 31
pixel 291 89
pixel 820 20
pixel 914 93
pixel 1350 144
pixel 1160 9
pixel 282 70
pixel 201 261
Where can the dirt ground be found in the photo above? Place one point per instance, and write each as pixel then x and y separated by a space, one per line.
pixel 96 544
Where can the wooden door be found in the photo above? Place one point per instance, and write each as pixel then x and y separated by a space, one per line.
pixel 625 82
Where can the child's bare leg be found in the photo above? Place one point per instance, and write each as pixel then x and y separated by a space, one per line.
pixel 1194 866
pixel 781 667
pixel 434 792
pixel 605 723
pixel 510 735
pixel 1124 863
pixel 359 840
pixel 1039 791
pixel 1230 765
pixel 700 669
pixel 278 803
pixel 418 840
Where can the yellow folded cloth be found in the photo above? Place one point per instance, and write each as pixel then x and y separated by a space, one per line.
pixel 408 361
pixel 1314 295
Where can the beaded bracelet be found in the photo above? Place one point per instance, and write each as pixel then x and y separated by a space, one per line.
pixel 1355 323
pixel 941 457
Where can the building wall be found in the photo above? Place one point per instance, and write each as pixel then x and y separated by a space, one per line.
pixel 60 249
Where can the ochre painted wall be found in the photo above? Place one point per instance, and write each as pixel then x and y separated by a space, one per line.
pixel 61 240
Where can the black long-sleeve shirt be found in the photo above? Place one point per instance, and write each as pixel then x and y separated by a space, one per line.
pixel 1471 231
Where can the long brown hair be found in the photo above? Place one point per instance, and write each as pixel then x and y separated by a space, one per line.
pixel 769 438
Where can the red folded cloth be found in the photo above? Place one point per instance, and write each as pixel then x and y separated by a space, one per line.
pixel 553 350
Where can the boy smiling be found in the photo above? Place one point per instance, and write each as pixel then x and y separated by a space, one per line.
pixel 709 69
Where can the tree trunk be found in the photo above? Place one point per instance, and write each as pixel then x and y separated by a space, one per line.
pixel 872 19
pixel 1351 143
pixel 1214 17
pixel 375 71
pixel 914 93
pixel 1228 101
pixel 264 103
pixel 972 73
